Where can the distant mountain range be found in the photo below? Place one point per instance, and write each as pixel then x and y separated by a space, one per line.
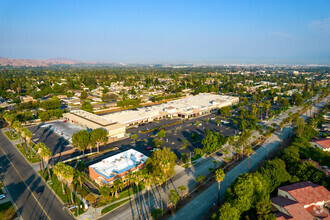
pixel 34 62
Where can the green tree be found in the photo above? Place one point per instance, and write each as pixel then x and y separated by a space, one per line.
pixel 263 207
pixel 68 174
pixel 161 134
pixel 105 192
pixel 99 136
pixel 87 106
pixel 219 176
pixel 184 158
pixel 182 189
pixel 227 211
pixel 299 130
pixel 134 137
pixel 162 162
pixel 200 179
pixel 58 170
pixel 83 95
pixel 45 154
pixel 81 139
pixel 174 196
pixel 156 213
pixel 248 151
pixel 118 185
pixel 199 151
pixel 157 142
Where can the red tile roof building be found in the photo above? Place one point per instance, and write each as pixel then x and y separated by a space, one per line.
pixel 323 144
pixel 302 201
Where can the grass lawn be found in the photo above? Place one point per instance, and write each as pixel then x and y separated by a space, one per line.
pixel 34 158
pixel 56 185
pixel 122 195
pixel 112 207
pixel 7 211
pixel 11 137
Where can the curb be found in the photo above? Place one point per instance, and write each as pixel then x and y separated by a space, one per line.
pixel 44 181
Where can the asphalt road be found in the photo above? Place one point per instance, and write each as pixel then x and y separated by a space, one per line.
pixel 196 208
pixel 22 181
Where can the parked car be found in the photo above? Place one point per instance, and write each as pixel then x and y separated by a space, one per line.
pixel 219 154
pixel 148 148
pixel 2 196
pixel 40 190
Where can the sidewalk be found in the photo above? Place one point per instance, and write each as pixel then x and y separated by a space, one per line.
pixel 9 198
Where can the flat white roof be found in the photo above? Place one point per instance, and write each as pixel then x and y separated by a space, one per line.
pixel 202 101
pixel 119 163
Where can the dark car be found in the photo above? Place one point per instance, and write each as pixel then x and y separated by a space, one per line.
pixel 219 154
pixel 40 190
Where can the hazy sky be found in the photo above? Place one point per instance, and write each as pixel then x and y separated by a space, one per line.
pixel 231 31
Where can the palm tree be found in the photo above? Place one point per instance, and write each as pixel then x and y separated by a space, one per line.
pixel 79 175
pixel 219 176
pixel 68 174
pixel 267 106
pixel 28 136
pixel 25 145
pixel 58 170
pixel 18 127
pixel 9 119
pixel 148 182
pixel 118 185
pixel 136 178
pixel 281 128
pixel 45 154
pixel 160 180
pixel 268 136
pixel 182 189
pixel 248 152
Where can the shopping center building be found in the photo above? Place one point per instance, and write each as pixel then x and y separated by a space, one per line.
pixel 188 107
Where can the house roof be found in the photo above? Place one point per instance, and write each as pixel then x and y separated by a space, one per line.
pixel 282 201
pixel 323 142
pixel 307 193
pixel 295 209
pixel 282 216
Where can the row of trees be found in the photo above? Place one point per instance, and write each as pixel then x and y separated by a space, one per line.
pixel 158 169
pixel 85 139
pixel 249 194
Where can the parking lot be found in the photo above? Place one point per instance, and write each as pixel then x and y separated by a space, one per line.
pixel 175 134
pixel 56 135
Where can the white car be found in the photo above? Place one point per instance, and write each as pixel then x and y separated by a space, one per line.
pixel 2 196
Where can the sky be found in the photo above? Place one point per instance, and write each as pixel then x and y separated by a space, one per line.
pixel 157 31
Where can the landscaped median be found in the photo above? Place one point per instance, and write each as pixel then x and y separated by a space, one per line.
pixel 160 127
pixel 112 207
pixel 22 148
pixel 123 194
pixel 56 186
pixel 11 135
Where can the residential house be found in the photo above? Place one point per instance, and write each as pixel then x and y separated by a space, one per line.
pixel 323 144
pixel 301 201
